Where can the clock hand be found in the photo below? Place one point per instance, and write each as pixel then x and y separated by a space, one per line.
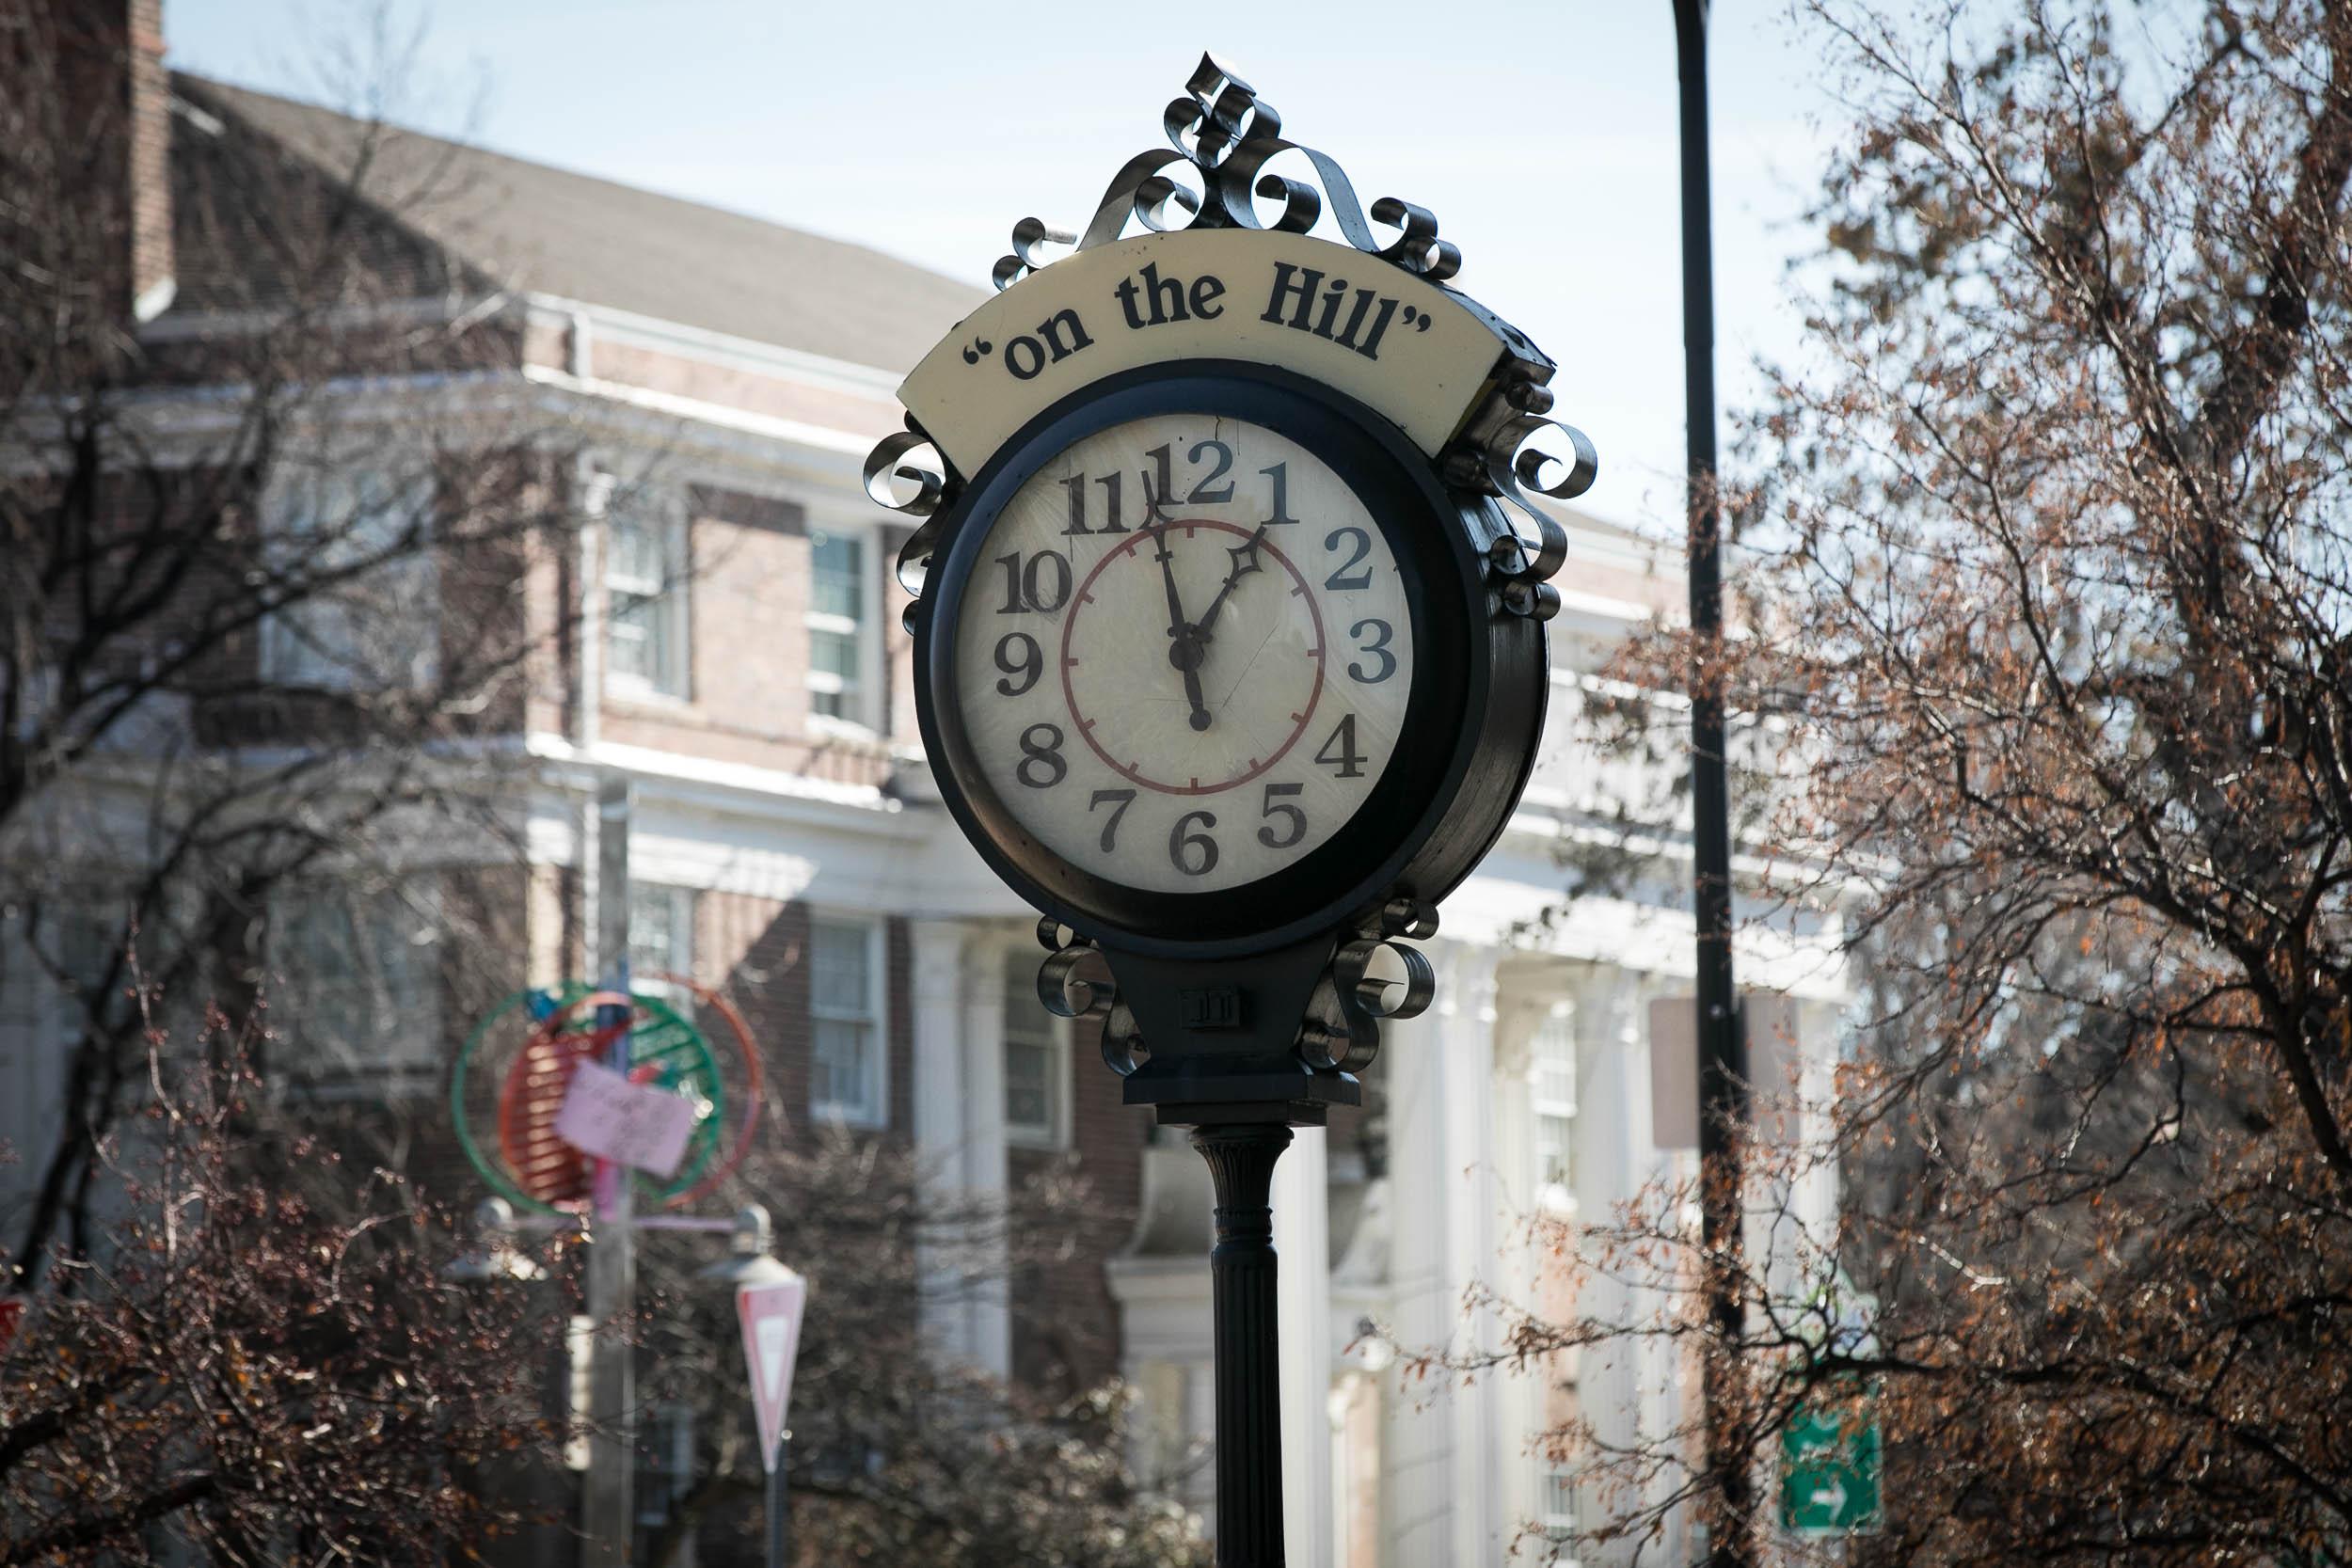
pixel 1177 624
pixel 1244 562
pixel 1184 648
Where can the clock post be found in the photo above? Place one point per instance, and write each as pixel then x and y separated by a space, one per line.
pixel 1229 571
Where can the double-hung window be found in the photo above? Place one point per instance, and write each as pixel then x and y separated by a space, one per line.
pixel 644 585
pixel 846 1082
pixel 358 1005
pixel 1551 1099
pixel 353 548
pixel 661 939
pixel 1037 1061
pixel 837 684
pixel 1557 1485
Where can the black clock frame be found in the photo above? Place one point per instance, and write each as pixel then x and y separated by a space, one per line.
pixel 1479 686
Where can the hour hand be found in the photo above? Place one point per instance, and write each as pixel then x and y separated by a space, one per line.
pixel 1186 647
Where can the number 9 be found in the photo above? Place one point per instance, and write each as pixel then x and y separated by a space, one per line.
pixel 1028 665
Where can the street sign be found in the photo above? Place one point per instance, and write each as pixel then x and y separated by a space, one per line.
pixel 1829 1473
pixel 633 1124
pixel 770 1316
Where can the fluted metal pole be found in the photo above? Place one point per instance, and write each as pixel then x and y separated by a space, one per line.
pixel 1249 1391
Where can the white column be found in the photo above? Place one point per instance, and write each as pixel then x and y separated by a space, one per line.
pixel 1628 1389
pixel 1517 1265
pixel 1416 1455
pixel 983 1113
pixel 1302 1244
pixel 1473 1204
pixel 938 1098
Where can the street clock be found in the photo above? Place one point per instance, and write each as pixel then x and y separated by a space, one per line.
pixel 1230 603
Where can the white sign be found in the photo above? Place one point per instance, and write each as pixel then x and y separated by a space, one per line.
pixel 631 1124
pixel 1420 354
pixel 1771 1021
pixel 770 1316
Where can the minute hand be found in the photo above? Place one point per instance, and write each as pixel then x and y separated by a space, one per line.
pixel 1244 562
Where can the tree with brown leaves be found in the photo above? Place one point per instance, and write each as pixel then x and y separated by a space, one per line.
pixel 2048 575
pixel 243 1375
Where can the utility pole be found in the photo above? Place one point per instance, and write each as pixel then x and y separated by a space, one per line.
pixel 607 1510
pixel 1723 1050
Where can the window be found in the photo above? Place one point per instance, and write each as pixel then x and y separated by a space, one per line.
pixel 644 583
pixel 846 1070
pixel 660 937
pixel 1556 1496
pixel 357 1004
pixel 1037 1064
pixel 1551 1095
pixel 837 626
pixel 376 628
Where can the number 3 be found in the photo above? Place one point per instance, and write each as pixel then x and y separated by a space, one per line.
pixel 1379 646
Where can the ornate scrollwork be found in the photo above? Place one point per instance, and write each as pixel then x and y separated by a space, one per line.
pixel 907 474
pixel 1221 136
pixel 1513 452
pixel 1067 993
pixel 1372 976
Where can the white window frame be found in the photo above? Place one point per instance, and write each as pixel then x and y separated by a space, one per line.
pixel 865 717
pixel 294 1065
pixel 665 507
pixel 1054 1132
pixel 1552 1101
pixel 1557 1524
pixel 845 1113
pixel 680 959
pixel 296 650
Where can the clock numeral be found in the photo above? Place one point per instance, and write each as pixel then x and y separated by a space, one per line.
pixel 1202 492
pixel 1268 806
pixel 1280 475
pixel 1350 762
pixel 1339 577
pixel 1043 585
pixel 1193 854
pixel 1110 829
pixel 1156 497
pixel 1378 647
pixel 1027 665
pixel 1076 485
pixel 1041 752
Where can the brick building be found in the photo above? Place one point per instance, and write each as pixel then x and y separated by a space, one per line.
pixel 723 633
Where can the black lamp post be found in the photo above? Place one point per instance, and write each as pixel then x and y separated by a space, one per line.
pixel 1723 1050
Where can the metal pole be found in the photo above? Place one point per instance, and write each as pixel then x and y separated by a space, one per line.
pixel 779 1507
pixel 607 1510
pixel 1249 1355
pixel 1723 1051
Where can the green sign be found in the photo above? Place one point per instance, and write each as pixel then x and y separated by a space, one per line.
pixel 1829 1473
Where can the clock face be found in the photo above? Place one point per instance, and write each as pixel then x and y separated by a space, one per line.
pixel 1184 653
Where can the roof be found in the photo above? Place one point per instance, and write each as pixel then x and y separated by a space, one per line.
pixel 548 230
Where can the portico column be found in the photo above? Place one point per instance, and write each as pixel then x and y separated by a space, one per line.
pixel 939 1098
pixel 984 969
pixel 1302 1242
pixel 1466 1030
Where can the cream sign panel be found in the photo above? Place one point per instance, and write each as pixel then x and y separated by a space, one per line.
pixel 1402 346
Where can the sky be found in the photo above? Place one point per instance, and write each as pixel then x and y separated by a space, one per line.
pixel 1542 136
